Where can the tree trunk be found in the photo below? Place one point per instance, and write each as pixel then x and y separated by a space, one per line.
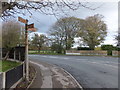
pixel 7 55
pixel 38 49
pixel 92 47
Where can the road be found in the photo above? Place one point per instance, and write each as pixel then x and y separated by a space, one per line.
pixel 89 71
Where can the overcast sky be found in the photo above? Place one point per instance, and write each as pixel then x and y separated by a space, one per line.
pixel 108 9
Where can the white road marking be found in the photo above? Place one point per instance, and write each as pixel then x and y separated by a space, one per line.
pixel 106 63
pixel 52 57
pixel 65 58
pixel 94 62
pixel 43 56
pixel 103 64
pixel 81 59
pixel 111 65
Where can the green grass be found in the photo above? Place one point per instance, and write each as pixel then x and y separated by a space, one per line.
pixel 7 65
pixel 45 53
pixel 54 53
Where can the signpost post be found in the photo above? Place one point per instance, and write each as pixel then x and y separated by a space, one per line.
pixel 26 52
pixel 30 28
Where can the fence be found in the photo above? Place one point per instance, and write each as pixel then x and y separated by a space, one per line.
pixel 0 53
pixel 1 79
pixel 41 52
pixel 12 77
pixel 17 53
pixel 115 53
pixel 86 52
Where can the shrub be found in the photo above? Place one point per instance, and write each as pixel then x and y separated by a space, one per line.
pixel 83 48
pixel 56 47
pixel 109 48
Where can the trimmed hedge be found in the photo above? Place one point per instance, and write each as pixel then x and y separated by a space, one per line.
pixel 109 48
pixel 88 52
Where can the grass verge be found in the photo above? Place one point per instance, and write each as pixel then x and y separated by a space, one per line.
pixel 44 53
pixel 6 65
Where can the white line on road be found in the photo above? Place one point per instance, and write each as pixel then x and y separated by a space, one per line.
pixel 44 56
pixel 106 63
pixel 65 58
pixel 52 57
pixel 55 57
pixel 81 59
pixel 103 64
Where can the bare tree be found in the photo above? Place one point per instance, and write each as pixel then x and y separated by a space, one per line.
pixel 10 35
pixel 38 41
pixel 117 37
pixel 48 7
pixel 94 31
pixel 65 30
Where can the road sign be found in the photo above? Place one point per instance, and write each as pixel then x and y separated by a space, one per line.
pixel 22 20
pixel 30 26
pixel 32 29
pixel 26 47
pixel 27 28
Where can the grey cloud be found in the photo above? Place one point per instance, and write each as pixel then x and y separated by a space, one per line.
pixel 108 9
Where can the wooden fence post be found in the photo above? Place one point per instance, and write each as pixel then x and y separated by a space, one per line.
pixel 4 80
pixel 14 54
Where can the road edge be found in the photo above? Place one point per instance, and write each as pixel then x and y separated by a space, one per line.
pixel 32 80
pixel 64 71
pixel 72 78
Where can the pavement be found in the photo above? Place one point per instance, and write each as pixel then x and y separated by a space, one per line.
pixel 52 76
pixel 89 71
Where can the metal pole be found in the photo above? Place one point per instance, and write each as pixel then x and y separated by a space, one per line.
pixel 26 52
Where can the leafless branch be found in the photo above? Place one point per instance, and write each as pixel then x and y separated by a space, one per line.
pixel 44 6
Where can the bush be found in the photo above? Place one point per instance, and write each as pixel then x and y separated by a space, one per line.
pixel 109 48
pixel 117 48
pixel 56 47
pixel 83 48
pixel 97 48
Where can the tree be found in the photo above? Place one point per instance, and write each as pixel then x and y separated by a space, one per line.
pixel 0 41
pixel 38 41
pixel 0 36
pixel 47 7
pixel 10 35
pixel 117 37
pixel 57 48
pixel 64 31
pixel 93 31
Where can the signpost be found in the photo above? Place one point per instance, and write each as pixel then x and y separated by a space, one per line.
pixel 22 20
pixel 30 28
pixel 26 52
pixel 30 25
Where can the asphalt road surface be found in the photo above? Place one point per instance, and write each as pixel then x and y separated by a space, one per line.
pixel 89 71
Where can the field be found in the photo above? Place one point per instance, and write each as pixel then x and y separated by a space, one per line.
pixel 6 65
